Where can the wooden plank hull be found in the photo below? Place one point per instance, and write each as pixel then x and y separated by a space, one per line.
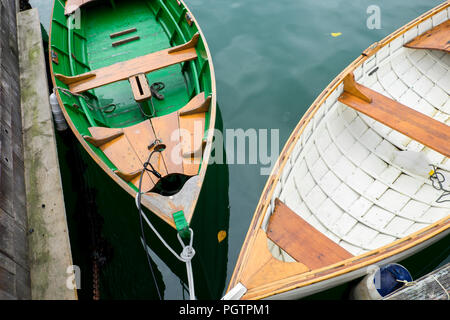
pixel 113 118
pixel 352 177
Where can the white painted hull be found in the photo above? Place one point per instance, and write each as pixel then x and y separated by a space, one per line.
pixel 345 278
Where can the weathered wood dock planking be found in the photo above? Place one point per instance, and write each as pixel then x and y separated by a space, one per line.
pixel 433 286
pixel 14 266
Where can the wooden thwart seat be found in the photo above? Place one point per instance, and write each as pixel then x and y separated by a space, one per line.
pixel 131 68
pixel 301 241
pixel 416 125
pixel 437 38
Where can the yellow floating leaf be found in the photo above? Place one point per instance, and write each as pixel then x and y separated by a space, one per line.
pixel 221 235
pixel 336 34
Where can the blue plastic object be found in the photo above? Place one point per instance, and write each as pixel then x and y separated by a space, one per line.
pixel 386 278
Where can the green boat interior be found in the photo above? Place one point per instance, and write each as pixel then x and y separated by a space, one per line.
pixel 134 75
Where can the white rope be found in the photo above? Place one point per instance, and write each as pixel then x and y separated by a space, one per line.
pixel 406 283
pixel 445 290
pixel 412 283
pixel 185 256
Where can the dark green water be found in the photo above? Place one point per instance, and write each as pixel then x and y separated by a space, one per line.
pixel 272 58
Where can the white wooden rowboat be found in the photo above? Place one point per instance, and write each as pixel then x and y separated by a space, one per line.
pixel 353 186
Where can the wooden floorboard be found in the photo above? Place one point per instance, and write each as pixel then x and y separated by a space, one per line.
pixel 166 129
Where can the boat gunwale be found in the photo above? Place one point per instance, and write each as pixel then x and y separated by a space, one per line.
pixel 351 264
pixel 209 130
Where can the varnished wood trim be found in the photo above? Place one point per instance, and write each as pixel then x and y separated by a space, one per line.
pixel 212 113
pixel 188 45
pixel 68 80
pixel 98 142
pixel 351 87
pixel 195 153
pixel 197 106
pixel 128 176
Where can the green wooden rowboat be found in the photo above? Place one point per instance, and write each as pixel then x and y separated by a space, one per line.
pixel 136 84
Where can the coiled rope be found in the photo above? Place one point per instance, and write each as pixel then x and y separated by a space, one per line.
pixel 437 181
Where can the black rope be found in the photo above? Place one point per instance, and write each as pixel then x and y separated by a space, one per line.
pixel 109 108
pixel 152 170
pixel 149 116
pixel 437 181
pixel 153 145
pixel 142 223
pixel 154 89
pixel 157 147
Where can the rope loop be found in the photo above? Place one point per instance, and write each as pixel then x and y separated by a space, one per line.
pixel 406 283
pixel 437 181
pixel 188 250
pixel 109 108
pixel 187 254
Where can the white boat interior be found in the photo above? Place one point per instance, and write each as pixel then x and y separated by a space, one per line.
pixel 359 182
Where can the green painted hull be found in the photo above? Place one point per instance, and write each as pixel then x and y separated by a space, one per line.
pixel 81 42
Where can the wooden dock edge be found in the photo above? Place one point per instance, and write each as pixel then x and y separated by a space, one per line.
pixel 48 237
pixel 433 286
